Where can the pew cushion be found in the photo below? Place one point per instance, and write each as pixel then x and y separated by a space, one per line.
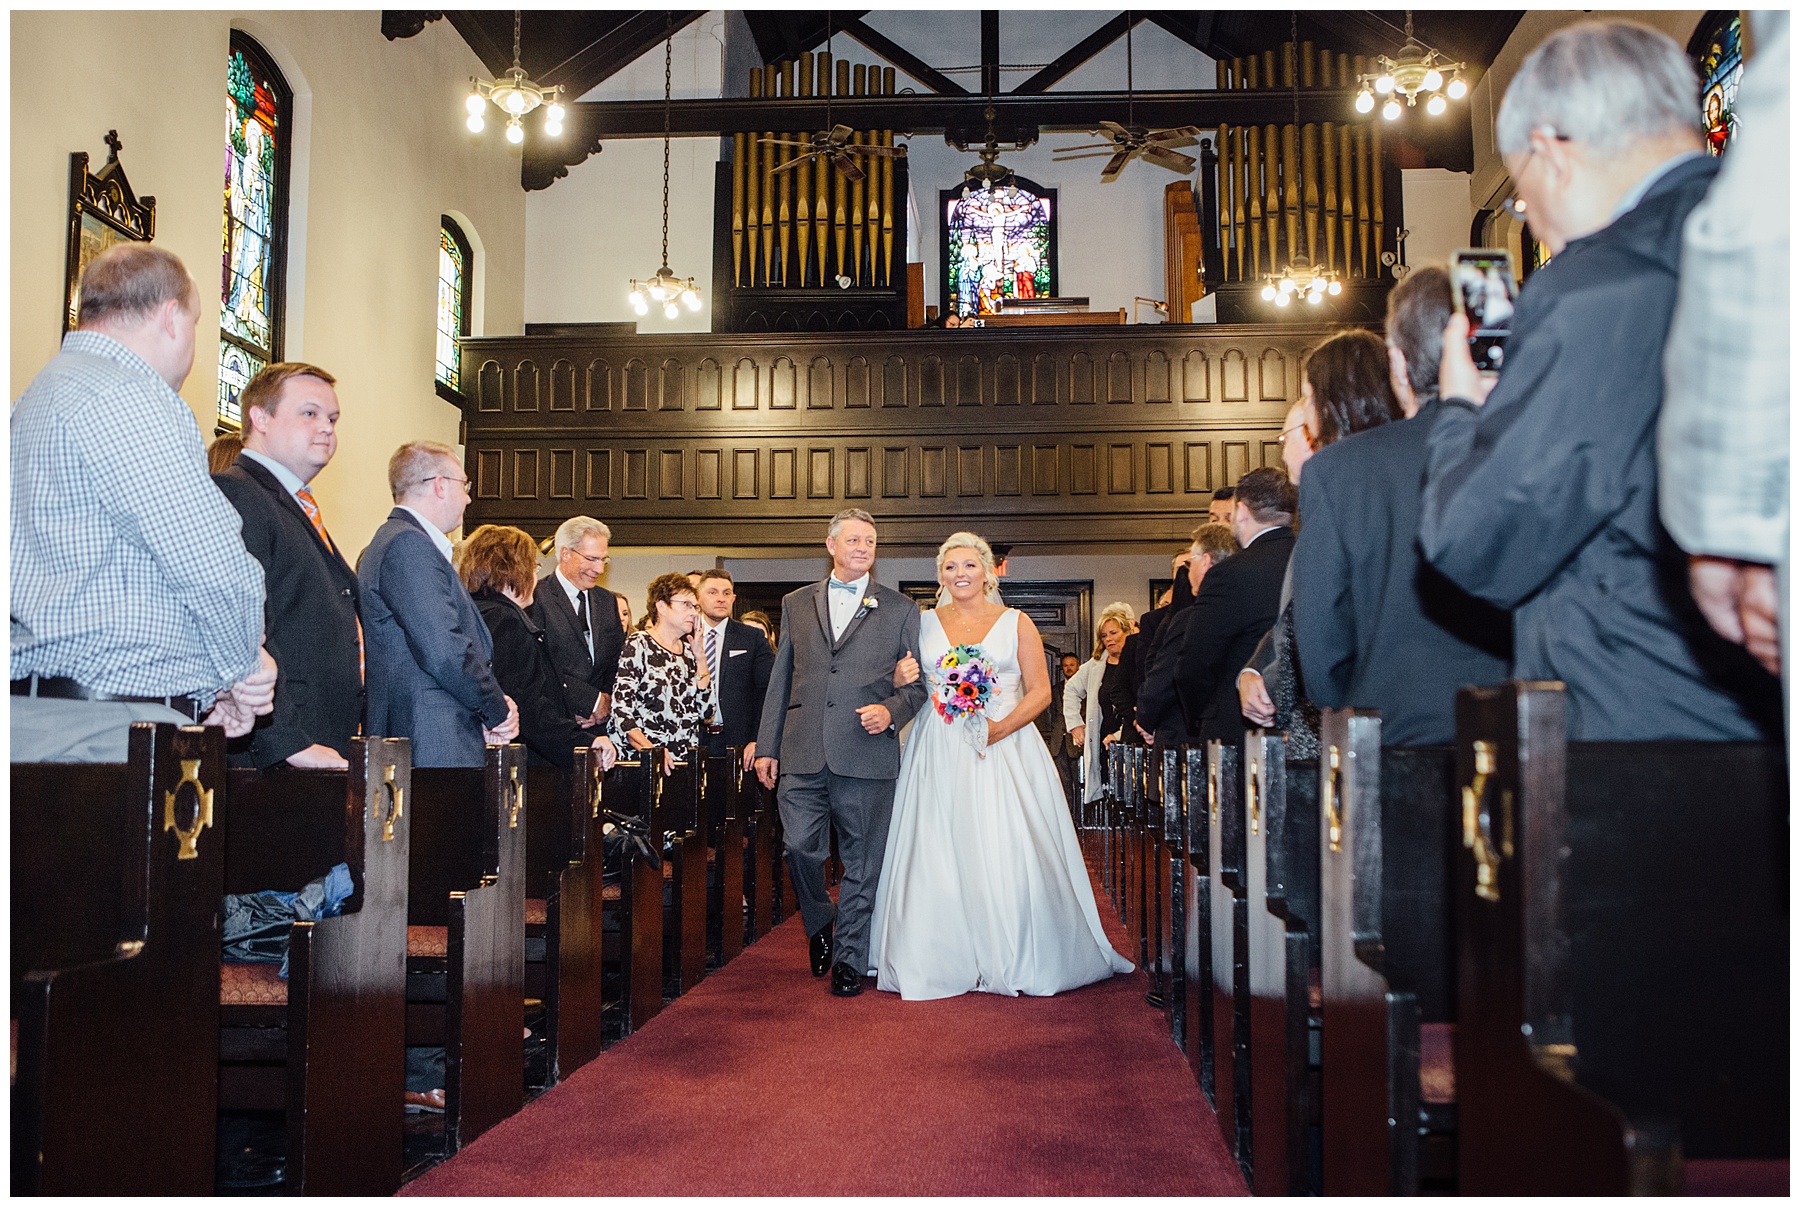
pixel 537 911
pixel 429 942
pixel 1737 1179
pixel 612 892
pixel 1437 1062
pixel 252 985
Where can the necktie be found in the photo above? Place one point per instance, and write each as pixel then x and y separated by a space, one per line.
pixel 310 506
pixel 581 615
pixel 712 663
pixel 839 585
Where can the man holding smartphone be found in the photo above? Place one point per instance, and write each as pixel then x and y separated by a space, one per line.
pixel 1540 496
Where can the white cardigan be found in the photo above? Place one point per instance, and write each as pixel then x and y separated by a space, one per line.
pixel 1081 706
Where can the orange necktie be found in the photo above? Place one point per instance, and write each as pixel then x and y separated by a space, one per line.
pixel 310 506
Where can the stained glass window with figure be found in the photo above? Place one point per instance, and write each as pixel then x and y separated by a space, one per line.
pixel 452 304
pixel 254 258
pixel 999 243
pixel 1719 49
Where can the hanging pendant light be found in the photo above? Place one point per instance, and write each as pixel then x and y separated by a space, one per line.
pixel 665 288
pixel 1416 70
pixel 515 95
pixel 1301 278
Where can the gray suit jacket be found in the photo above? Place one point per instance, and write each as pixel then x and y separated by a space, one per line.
pixel 809 717
pixel 431 675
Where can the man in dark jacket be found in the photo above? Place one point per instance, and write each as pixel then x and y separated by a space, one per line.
pixel 580 618
pixel 1237 604
pixel 1541 497
pixel 1160 716
pixel 741 661
pixel 311 624
pixel 1377 627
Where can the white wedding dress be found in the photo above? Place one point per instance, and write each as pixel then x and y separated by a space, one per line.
pixel 983 886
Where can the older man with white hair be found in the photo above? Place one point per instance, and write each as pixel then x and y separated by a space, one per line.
pixel 1541 495
pixel 580 619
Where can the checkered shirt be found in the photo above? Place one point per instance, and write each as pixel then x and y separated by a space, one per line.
pixel 129 572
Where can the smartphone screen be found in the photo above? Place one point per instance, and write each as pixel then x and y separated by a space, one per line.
pixel 1482 283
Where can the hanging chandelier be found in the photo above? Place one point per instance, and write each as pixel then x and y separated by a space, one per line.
pixel 515 95
pixel 1416 70
pixel 1301 278
pixel 665 288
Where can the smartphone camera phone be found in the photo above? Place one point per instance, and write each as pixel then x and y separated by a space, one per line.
pixel 1485 291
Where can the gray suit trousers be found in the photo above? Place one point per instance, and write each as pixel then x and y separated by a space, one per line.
pixel 860 808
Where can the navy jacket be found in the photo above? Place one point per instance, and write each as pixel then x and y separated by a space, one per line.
pixel 1238 602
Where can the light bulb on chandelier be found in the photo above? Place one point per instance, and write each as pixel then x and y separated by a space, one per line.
pixel 1391 110
pixel 515 133
pixel 1414 70
pixel 515 95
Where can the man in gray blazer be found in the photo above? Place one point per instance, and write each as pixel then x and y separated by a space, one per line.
pixel 830 737
pixel 430 670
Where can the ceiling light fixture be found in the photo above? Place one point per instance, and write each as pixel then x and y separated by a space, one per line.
pixel 1416 70
pixel 665 288
pixel 1301 278
pixel 515 95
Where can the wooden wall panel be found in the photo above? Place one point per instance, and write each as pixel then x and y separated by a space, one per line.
pixel 562 473
pixel 1006 469
pixel 933 472
pixel 637 385
pixel 709 385
pixel 744 483
pixel 525 386
pixel 856 473
pixel 818 474
pixel 707 468
pixel 1006 380
pixel 1159 467
pixel 856 383
pixel 672 387
pixel 1197 469
pixel 599 386
pixel 599 473
pixel 486 466
pixel 968 472
pixel 490 387
pixel 968 381
pixel 525 473
pixel 1196 377
pixel 562 386
pixel 637 474
pixel 1234 456
pixel 819 385
pixel 781 473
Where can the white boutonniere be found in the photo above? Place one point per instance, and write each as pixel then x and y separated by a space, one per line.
pixel 870 602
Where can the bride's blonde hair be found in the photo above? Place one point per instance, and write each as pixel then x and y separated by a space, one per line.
pixel 968 540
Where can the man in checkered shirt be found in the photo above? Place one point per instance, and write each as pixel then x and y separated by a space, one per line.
pixel 133 598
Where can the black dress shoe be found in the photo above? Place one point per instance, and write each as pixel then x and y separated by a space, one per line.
pixel 844 981
pixel 820 945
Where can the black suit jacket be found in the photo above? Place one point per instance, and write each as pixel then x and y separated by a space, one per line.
pixel 744 666
pixel 310 607
pixel 1377 627
pixel 1238 602
pixel 523 669
pixel 1159 707
pixel 584 679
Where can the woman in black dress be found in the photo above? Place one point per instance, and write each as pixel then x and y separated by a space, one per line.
pixel 1118 686
pixel 499 567
pixel 663 695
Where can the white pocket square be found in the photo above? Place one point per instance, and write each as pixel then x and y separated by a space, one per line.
pixel 735 653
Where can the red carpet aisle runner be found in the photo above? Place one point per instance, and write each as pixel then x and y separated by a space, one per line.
pixel 760 1083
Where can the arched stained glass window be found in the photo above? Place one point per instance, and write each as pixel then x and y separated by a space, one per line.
pixel 452 304
pixel 1718 47
pixel 258 119
pixel 998 243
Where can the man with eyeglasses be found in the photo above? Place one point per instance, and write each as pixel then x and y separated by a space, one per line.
pixel 580 619
pixel 430 672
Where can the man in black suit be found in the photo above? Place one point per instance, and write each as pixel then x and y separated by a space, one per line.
pixel 1376 626
pixel 310 612
pixel 741 661
pixel 1237 603
pixel 580 619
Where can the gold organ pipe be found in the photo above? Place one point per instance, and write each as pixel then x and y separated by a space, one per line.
pixel 1253 191
pixel 1271 140
pixel 1227 196
pixel 1253 72
pixel 1268 68
pixel 737 210
pixel 1290 188
pixel 887 189
pixel 1362 201
pixel 753 153
pixel 1309 184
pixel 1346 198
pixel 803 179
pixel 1222 73
pixel 1306 64
pixel 1344 78
pixel 860 85
pixel 1328 146
pixel 839 186
pixel 768 188
pixel 1327 77
pixel 784 231
pixel 1376 216
pixel 1287 64
pixel 1239 167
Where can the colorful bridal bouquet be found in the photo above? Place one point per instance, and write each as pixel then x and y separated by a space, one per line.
pixel 965 681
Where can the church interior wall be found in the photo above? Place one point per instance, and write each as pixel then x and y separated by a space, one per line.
pixel 1438 214
pixel 386 154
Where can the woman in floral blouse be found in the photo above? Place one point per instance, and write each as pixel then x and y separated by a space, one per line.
pixel 664 691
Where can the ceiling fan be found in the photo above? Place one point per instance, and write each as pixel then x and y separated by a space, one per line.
pixel 832 145
pixel 1126 143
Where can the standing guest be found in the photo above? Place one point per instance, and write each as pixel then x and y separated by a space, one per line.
pixel 1118 683
pixel 311 623
pixel 1237 604
pixel 664 691
pixel 1376 627
pixel 1063 751
pixel 1169 603
pixel 740 659
pixel 1219 510
pixel 1160 717
pixel 430 670
pixel 1540 496
pixel 577 616
pixel 223 452
pixel 499 567
pixel 1084 710
pixel 760 621
pixel 133 598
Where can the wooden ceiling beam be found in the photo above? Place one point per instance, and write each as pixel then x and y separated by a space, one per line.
pixel 1076 55
pixel 904 59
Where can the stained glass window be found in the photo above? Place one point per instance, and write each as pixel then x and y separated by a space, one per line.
pixel 1720 50
pixel 254 260
pixel 998 243
pixel 452 303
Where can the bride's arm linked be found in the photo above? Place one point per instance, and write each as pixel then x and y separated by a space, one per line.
pixel 1035 679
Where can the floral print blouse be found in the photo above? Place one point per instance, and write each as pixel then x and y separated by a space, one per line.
pixel 656 692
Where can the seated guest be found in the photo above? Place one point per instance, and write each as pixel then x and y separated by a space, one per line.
pixel 1160 718
pixel 499 567
pixel 664 690
pixel 1344 389
pixel 740 660
pixel 1540 488
pixel 1236 604
pixel 1375 626
pixel 1083 699
pixel 429 653
pixel 576 614
pixel 311 625
pixel 761 623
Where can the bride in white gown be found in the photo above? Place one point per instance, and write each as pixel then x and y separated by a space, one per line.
pixel 983 886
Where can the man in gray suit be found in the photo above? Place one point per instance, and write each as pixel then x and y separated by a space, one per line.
pixel 830 737
pixel 430 670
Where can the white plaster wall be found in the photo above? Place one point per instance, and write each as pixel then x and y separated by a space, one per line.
pixel 1438 213
pixel 384 154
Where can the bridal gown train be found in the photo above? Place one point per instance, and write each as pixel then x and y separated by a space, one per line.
pixel 983 886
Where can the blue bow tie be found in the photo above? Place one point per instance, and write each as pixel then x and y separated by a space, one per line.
pixel 840 586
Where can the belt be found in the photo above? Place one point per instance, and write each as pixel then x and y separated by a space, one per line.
pixel 45 686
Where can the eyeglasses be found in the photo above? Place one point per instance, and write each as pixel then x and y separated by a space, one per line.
pixel 447 478
pixel 1298 427
pixel 601 561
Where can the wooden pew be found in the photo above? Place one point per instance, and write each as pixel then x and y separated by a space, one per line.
pixel 465 938
pixel 635 791
pixel 1622 938
pixel 685 849
pixel 725 822
pixel 1173 869
pixel 115 931
pixel 1386 834
pixel 1282 873
pixel 1197 908
pixel 1230 949
pixel 325 1045
pixel 563 909
pixel 762 855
